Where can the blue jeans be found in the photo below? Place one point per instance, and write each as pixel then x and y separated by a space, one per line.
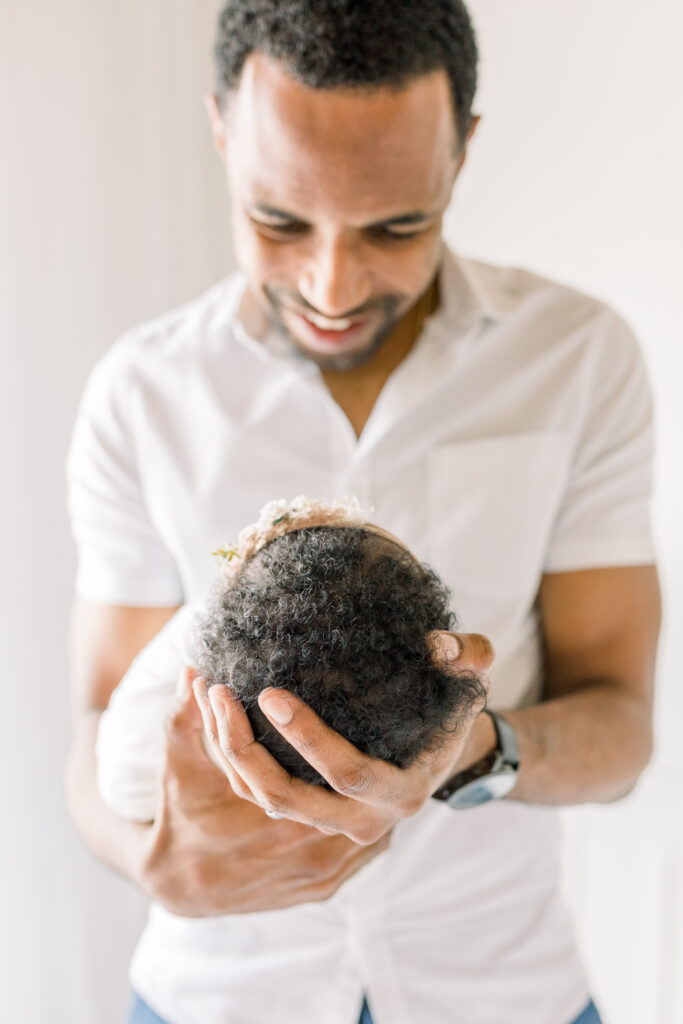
pixel 140 1013
pixel 589 1016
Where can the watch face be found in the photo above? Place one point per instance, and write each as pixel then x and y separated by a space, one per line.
pixel 490 787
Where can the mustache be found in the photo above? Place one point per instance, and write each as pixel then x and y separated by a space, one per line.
pixel 296 303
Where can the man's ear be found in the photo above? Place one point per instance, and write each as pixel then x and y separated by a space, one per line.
pixel 217 122
pixel 474 124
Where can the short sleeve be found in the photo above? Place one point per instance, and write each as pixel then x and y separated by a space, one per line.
pixel 131 736
pixel 121 558
pixel 604 519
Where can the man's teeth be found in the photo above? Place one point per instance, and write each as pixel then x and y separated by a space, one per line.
pixel 327 325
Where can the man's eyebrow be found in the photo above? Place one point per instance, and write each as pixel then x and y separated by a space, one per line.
pixel 272 211
pixel 403 219
pixel 414 217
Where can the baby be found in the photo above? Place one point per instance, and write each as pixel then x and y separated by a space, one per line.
pixel 316 599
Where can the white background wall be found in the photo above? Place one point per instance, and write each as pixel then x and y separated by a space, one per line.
pixel 577 173
pixel 112 209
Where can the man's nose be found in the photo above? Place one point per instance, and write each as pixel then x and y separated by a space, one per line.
pixel 335 281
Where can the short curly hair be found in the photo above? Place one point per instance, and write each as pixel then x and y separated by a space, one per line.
pixel 338 616
pixel 367 43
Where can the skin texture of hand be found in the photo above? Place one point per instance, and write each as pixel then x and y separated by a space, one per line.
pixel 368 796
pixel 211 852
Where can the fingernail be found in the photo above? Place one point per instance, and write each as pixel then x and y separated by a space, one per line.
pixel 217 699
pixel 457 644
pixel 277 708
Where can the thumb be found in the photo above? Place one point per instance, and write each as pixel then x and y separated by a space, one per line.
pixel 445 648
pixel 470 651
pixel 185 720
pixel 189 770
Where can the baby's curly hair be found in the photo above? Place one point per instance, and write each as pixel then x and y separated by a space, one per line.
pixel 339 616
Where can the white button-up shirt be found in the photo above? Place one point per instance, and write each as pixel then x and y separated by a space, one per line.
pixel 514 440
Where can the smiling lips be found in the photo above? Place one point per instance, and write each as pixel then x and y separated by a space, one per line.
pixel 328 325
pixel 334 331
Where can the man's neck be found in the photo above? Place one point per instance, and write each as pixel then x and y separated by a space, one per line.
pixel 356 390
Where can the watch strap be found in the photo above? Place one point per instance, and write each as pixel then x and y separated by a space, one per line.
pixel 507 740
pixel 505 756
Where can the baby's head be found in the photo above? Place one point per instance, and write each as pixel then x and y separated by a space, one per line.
pixel 320 602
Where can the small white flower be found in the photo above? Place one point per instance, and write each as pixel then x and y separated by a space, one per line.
pixel 281 516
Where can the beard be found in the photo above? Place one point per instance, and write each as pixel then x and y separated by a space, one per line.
pixel 389 308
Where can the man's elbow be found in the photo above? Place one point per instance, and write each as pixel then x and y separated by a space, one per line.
pixel 642 748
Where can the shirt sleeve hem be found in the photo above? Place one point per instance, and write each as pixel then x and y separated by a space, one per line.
pixel 600 555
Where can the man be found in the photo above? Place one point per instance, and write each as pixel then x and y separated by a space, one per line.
pixel 499 424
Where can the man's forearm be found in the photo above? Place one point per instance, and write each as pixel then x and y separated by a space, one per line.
pixel 120 843
pixel 586 747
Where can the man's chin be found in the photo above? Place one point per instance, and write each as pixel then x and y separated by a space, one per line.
pixel 330 353
pixel 344 360
pixel 347 358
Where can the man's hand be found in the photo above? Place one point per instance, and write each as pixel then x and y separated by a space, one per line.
pixel 368 796
pixel 207 852
pixel 211 852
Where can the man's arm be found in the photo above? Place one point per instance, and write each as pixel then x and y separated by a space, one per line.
pixel 103 642
pixel 592 736
pixel 588 741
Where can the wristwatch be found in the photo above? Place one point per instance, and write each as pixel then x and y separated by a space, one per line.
pixel 490 778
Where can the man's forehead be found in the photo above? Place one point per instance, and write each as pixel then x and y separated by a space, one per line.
pixel 267 83
pixel 380 139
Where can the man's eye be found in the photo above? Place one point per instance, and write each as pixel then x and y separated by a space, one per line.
pixel 281 228
pixel 389 235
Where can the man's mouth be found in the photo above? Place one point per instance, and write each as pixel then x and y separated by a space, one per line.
pixel 323 324
pixel 330 331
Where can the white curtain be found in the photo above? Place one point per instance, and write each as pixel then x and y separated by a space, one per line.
pixel 113 209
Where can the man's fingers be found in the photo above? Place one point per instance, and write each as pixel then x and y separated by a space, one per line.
pixel 234 728
pixel 201 696
pixel 185 749
pixel 185 724
pixel 349 772
pixel 471 652
pixel 212 737
pixel 277 792
pixel 265 777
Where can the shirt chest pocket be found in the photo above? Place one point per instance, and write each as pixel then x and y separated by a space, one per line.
pixel 492 505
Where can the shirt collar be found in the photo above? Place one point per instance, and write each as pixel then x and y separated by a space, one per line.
pixel 469 294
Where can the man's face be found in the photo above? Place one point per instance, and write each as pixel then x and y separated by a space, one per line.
pixel 338 197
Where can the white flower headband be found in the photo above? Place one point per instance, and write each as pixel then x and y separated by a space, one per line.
pixel 277 518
